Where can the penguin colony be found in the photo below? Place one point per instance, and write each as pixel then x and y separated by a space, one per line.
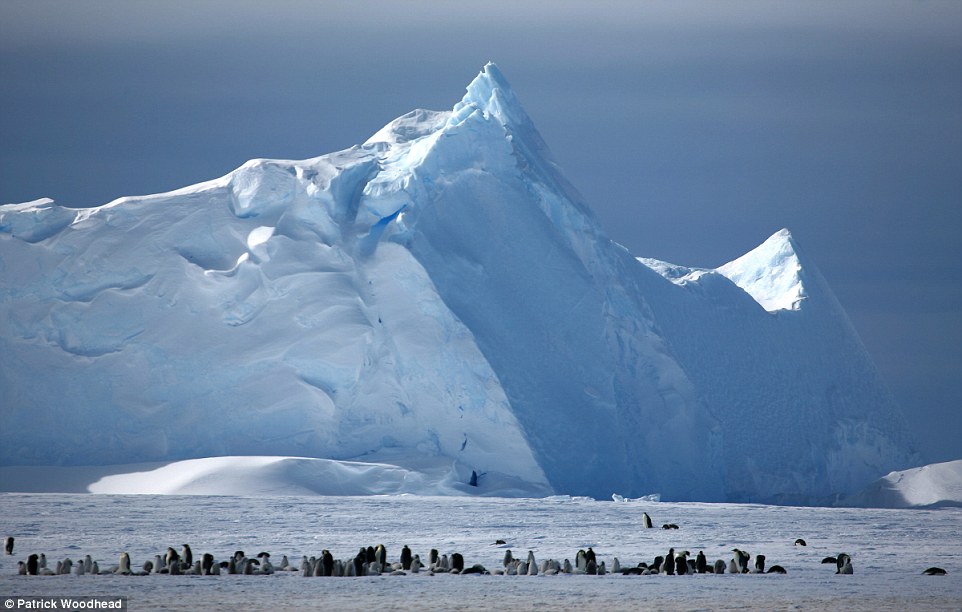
pixel 373 561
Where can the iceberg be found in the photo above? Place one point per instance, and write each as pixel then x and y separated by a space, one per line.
pixel 438 295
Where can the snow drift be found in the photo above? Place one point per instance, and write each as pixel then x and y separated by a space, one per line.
pixel 930 486
pixel 439 293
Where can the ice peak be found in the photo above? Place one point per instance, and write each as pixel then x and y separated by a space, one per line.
pixel 771 273
pixel 491 93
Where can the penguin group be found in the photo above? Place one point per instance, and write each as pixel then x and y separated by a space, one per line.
pixel 374 561
pixel 678 563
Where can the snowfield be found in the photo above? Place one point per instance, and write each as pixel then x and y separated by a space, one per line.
pixel 889 551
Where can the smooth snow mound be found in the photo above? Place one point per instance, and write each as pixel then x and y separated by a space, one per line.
pixel 929 486
pixel 247 476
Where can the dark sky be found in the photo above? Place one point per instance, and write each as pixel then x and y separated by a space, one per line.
pixel 694 129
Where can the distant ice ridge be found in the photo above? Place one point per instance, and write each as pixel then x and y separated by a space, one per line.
pixel 437 295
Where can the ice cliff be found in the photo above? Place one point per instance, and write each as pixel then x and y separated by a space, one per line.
pixel 438 298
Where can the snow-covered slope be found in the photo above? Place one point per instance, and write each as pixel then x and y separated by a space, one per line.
pixel 254 476
pixel 442 294
pixel 929 486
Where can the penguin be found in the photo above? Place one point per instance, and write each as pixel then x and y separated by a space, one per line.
pixel 433 557
pixel 88 564
pixel 507 558
pixel 616 566
pixel 719 566
pixel 457 562
pixel 760 564
pixel 158 564
pixel 581 560
pixel 681 563
pixel 405 558
pixel 186 555
pixel 231 566
pixel 590 555
pixel 207 564
pixel 776 569
pixel 171 559
pixel 43 561
pixel 741 560
pixel 124 567
pixel 238 555
pixel 416 564
pixel 566 567
pixel 248 567
pixel 21 568
pixel 380 555
pixel 285 564
pixel 669 565
pixel 592 568
pixel 8 545
pixel 831 560
pixel 532 564
pixel 657 564
pixel 843 563
pixel 360 559
pixel 701 563
pixel 646 520
pixel 148 566
pixel 80 568
pixel 327 560
pixel 934 571
pixel 800 542
pixel 732 567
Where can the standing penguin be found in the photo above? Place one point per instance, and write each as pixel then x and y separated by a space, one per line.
pixel 646 520
pixel 124 567
pixel 187 556
pixel 8 545
pixel 33 565
pixel 590 555
pixel 171 559
pixel 843 563
pixel 760 564
pixel 741 560
pixel 405 558
pixel 701 564
pixel 207 564
pixel 681 563
pixel 669 566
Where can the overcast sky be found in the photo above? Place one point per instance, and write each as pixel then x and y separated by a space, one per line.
pixel 694 129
